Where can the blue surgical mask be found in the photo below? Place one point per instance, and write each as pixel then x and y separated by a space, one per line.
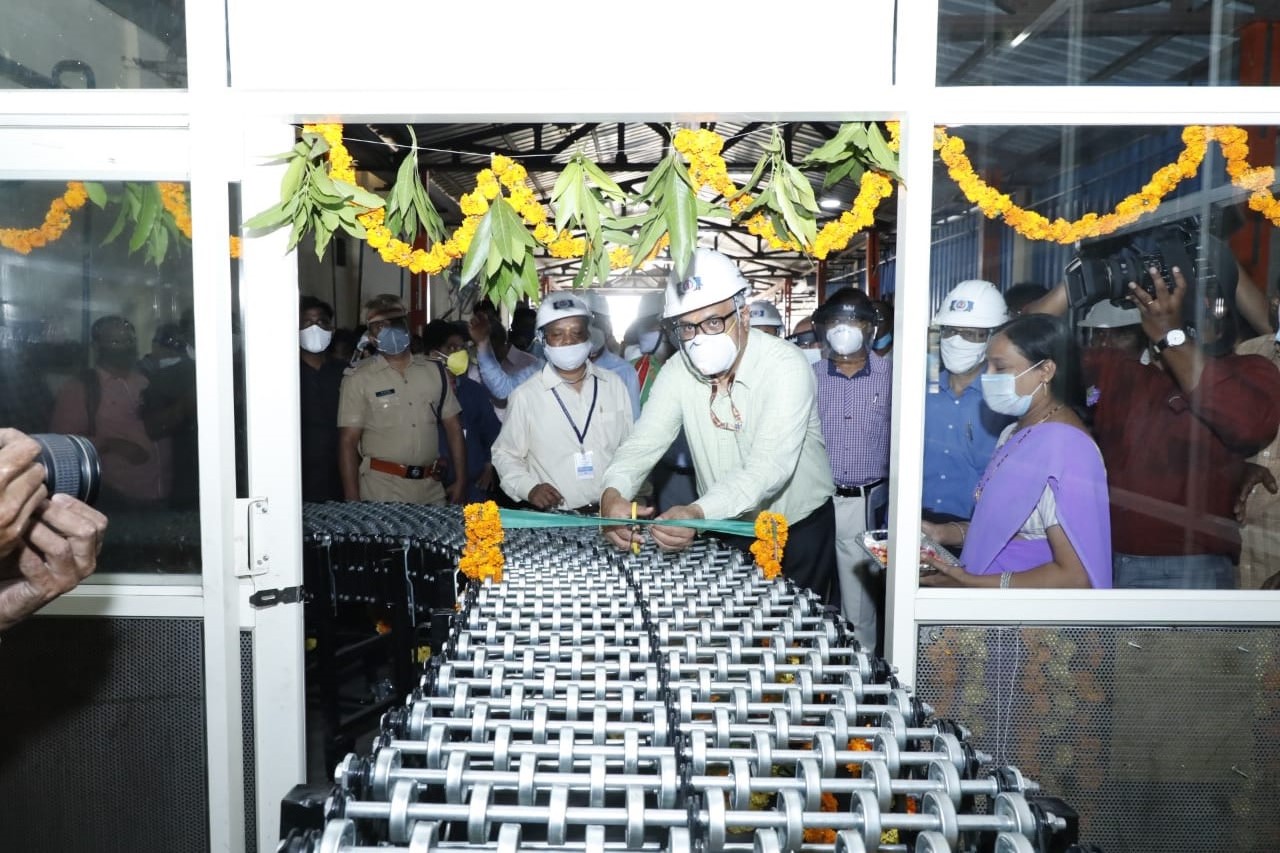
pixel 882 342
pixel 393 340
pixel 1000 392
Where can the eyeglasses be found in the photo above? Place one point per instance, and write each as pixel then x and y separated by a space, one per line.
pixel 709 326
pixel 973 336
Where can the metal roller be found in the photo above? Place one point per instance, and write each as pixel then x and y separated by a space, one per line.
pixel 596 700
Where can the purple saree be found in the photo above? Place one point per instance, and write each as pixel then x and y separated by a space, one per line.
pixel 1067 461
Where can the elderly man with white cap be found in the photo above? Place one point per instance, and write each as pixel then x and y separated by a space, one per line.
pixel 565 423
pixel 746 402
pixel 960 429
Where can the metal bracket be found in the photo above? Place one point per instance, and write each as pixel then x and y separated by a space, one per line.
pixel 264 598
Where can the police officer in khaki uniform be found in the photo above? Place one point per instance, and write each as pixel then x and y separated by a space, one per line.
pixel 391 408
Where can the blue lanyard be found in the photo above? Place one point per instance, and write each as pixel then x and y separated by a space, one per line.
pixel 581 433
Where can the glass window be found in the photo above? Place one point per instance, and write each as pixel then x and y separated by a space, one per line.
pixel 83 44
pixel 1078 43
pixel 1117 440
pixel 99 341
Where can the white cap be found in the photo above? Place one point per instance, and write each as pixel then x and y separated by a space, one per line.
pixel 973 304
pixel 712 278
pixel 650 304
pixel 1105 315
pixel 764 313
pixel 557 306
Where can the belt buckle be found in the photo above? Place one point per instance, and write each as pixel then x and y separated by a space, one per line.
pixel 413 472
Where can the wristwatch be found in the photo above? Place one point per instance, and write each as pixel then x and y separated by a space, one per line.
pixel 1172 338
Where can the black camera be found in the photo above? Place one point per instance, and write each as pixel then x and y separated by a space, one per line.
pixel 71 465
pixel 1104 268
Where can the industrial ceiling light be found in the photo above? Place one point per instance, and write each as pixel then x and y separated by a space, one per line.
pixel 830 203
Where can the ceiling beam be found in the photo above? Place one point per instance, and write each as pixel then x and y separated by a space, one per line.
pixel 962 28
pixel 1128 58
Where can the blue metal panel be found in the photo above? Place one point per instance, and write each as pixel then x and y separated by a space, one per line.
pixel 954 254
pixel 1098 186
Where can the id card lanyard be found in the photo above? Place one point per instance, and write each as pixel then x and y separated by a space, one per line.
pixel 582 463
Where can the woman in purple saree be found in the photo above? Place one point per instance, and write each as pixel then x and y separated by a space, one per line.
pixel 1041 517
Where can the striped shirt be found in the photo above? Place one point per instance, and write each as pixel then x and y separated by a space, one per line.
pixel 854 411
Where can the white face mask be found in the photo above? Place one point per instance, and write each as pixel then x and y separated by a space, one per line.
pixel 569 357
pixel 1000 392
pixel 844 340
pixel 813 355
pixel 649 341
pixel 961 356
pixel 315 339
pixel 712 355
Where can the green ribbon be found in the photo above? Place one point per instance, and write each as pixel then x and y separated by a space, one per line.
pixel 527 518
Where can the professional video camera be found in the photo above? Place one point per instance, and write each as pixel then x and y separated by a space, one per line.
pixel 1102 269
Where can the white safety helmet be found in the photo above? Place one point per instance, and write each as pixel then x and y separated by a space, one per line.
pixel 1107 315
pixel 597 340
pixel 598 303
pixel 974 304
pixel 557 306
pixel 650 304
pixel 764 313
pixel 711 278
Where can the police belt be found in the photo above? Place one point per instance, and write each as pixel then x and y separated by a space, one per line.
pixel 408 472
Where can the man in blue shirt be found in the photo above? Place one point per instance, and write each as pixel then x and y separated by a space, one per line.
pixel 960 431
pixel 444 343
pixel 854 406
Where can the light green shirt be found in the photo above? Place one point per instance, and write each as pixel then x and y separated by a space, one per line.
pixel 776 461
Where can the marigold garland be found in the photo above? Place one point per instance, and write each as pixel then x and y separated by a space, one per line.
pixel 482 556
pixel 771 541
pixel 174 198
pixel 1034 226
pixel 708 169
pixel 56 221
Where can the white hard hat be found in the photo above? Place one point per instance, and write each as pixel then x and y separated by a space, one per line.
pixel 1107 315
pixel 973 304
pixel 598 303
pixel 557 306
pixel 650 304
pixel 597 339
pixel 764 313
pixel 711 278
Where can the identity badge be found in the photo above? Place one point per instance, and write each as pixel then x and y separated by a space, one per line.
pixel 584 466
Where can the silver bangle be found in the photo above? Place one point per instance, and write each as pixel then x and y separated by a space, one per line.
pixel 1005 577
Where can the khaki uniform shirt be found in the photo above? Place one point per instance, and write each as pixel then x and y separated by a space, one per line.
pixel 399 417
pixel 1260 532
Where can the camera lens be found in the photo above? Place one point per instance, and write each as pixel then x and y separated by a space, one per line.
pixel 71 465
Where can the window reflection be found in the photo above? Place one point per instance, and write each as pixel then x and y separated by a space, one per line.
pixel 1173 381
pixel 1078 43
pixel 99 341
pixel 82 44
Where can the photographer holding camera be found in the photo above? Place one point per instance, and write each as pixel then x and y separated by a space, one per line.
pixel 1175 433
pixel 47 544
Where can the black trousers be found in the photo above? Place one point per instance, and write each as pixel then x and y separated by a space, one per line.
pixel 810 556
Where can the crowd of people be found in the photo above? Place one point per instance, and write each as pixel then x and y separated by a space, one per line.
pixel 1127 450
pixel 1124 452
